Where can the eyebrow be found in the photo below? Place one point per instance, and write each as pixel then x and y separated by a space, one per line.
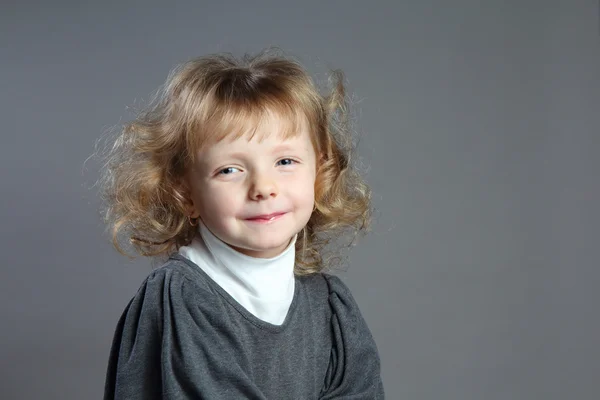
pixel 284 147
pixel 277 149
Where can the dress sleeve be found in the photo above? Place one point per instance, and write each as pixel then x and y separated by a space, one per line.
pixel 168 344
pixel 134 366
pixel 354 370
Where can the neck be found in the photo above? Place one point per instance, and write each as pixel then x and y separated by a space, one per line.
pixel 264 286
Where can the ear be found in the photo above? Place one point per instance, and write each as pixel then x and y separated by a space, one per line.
pixel 184 191
pixel 319 160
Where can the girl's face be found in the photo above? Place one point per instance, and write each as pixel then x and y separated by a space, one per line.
pixel 255 195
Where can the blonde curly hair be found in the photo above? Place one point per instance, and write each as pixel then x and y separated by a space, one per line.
pixel 207 99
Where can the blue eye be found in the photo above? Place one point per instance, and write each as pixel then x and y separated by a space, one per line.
pixel 286 161
pixel 227 171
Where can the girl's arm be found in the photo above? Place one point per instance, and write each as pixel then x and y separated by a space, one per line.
pixel 134 366
pixel 354 370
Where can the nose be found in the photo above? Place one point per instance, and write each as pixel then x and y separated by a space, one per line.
pixel 262 187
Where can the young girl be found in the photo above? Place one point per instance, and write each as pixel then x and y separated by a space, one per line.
pixel 237 176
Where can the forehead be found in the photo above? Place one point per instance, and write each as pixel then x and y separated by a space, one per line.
pixel 266 137
pixel 268 126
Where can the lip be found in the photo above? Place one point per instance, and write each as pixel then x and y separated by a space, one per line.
pixel 266 218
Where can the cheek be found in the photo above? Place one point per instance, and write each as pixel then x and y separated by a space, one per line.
pixel 304 191
pixel 218 202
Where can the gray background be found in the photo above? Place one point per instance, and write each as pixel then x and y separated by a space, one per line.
pixel 480 130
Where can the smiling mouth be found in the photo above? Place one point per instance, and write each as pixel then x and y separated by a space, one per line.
pixel 266 218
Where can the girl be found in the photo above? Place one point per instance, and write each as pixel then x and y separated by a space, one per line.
pixel 236 176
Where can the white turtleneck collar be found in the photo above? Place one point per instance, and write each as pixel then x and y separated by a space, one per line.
pixel 263 286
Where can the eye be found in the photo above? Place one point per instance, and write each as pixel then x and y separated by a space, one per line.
pixel 228 171
pixel 286 161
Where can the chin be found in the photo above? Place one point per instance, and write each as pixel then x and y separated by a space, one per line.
pixel 264 246
pixel 260 252
pixel 269 246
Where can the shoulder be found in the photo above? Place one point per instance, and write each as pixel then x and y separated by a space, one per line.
pixel 343 305
pixel 172 295
pixel 335 283
pixel 173 285
pixel 335 292
pixel 339 290
pixel 323 281
pixel 176 271
pixel 324 286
